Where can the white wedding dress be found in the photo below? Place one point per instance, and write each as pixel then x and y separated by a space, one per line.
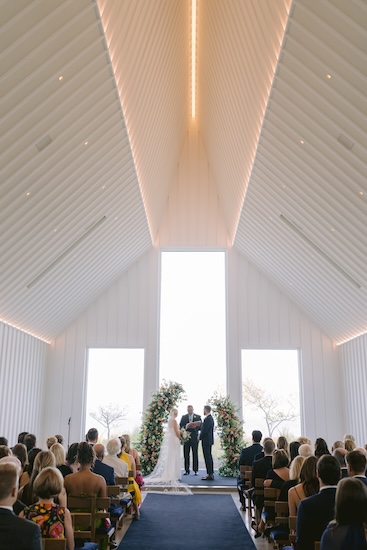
pixel 166 475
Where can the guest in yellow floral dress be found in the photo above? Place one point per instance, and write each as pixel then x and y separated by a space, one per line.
pixel 133 487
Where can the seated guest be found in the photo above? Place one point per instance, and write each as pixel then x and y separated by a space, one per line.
pixel 282 443
pixel 15 532
pixel 133 487
pixel 50 441
pixel 305 450
pixel 84 481
pixel 260 468
pixel 302 440
pixel 340 454
pixel 54 520
pixel 60 457
pixel 248 453
pixel 337 445
pixel 92 436
pixel 30 441
pixel 71 457
pixel 349 445
pixel 294 477
pixel 134 453
pixel 309 485
pixel 349 436
pixel 293 449
pixel 18 505
pixel 102 469
pixel 4 441
pixel 28 472
pixel 357 461
pixel 121 469
pixel 60 439
pixel 21 437
pixel 315 512
pixel 20 451
pixel 44 459
pixel 321 447
pixel 347 532
pixel 5 451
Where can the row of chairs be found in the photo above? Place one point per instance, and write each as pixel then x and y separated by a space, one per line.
pixel 93 517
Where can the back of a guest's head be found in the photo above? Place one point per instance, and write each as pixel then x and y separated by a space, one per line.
pixel 321 447
pixel 337 445
pixel 349 436
pixel 8 479
pixel 49 483
pixel 128 441
pixel 340 454
pixel 99 450
pixel 31 458
pixel 86 454
pixel 328 470
pixel 122 441
pixel 351 502
pixel 21 437
pixel 44 459
pixel 50 441
pixel 357 462
pixel 293 449
pixel 282 443
pixel 60 439
pixel 59 452
pixel 256 436
pixel 71 455
pixel 280 459
pixel 12 460
pixel 5 451
pixel 114 447
pixel 302 440
pixel 30 441
pixel 295 467
pixel 4 441
pixel 349 445
pixel 269 446
pixel 305 450
pixel 309 477
pixel 20 451
pixel 92 435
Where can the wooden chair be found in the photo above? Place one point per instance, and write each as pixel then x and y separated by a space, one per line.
pixel 292 522
pixel 280 535
pixel 259 491
pixel 125 499
pixel 113 492
pixel 97 507
pixel 317 545
pixel 270 497
pixel 246 476
pixel 53 544
pixel 82 525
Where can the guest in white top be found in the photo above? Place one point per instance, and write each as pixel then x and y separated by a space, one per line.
pixel 113 449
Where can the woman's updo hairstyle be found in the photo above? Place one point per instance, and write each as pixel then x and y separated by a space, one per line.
pixel 86 454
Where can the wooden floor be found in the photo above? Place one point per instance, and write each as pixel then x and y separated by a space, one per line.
pixel 260 543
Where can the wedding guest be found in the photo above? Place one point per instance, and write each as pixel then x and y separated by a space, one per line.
pixel 5 451
pixel 134 453
pixel 92 436
pixel 340 455
pixel 4 441
pixel 60 457
pixel 17 505
pixel 321 447
pixel 44 459
pixel 20 451
pixel 349 436
pixel 120 467
pixel 305 450
pixel 84 481
pixel 133 487
pixel 100 467
pixel 60 439
pixel 337 445
pixel 71 457
pixel 30 441
pixel 349 445
pixel 282 443
pixel 304 440
pixel 357 463
pixel 247 455
pixel 309 485
pixel 54 520
pixel 294 477
pixel 15 532
pixel 50 441
pixel 293 449
pixel 348 530
pixel 21 437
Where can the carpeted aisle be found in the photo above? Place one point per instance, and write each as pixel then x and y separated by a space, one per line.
pixel 219 481
pixel 197 522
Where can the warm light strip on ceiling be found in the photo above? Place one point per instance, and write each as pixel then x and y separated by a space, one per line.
pixel 25 331
pixel 193 58
pixel 352 338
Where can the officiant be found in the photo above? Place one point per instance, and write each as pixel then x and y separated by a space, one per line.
pixel 191 422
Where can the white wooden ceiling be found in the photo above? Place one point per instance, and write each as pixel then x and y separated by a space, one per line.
pixel 79 211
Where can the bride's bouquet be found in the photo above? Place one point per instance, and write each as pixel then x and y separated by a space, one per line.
pixel 184 436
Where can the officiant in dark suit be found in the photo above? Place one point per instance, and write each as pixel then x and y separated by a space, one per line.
pixel 207 441
pixel 193 442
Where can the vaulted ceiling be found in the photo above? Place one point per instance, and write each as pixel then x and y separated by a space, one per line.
pixel 95 109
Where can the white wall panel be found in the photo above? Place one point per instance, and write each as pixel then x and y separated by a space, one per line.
pixel 261 316
pixel 354 374
pixel 126 315
pixel 22 369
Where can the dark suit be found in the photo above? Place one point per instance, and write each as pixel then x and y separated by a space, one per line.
pixel 313 516
pixel 105 471
pixel 207 440
pixel 259 470
pixel 18 533
pixel 361 478
pixel 192 443
pixel 248 454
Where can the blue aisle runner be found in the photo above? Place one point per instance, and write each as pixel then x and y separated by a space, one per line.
pixel 198 522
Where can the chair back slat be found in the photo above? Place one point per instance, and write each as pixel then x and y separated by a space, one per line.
pixel 53 544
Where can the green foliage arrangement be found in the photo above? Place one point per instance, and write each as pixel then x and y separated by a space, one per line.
pixel 229 429
pixel 151 431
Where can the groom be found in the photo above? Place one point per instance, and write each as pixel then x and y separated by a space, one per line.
pixel 207 440
pixel 193 442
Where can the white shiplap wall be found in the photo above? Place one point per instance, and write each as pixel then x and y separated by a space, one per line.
pixel 259 315
pixel 23 360
pixel 354 376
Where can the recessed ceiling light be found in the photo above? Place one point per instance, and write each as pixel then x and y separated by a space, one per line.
pixel 103 187
pixel 86 143
pixel 328 76
pixel 332 229
pixel 55 230
pixel 283 185
pixel 301 142
pixel 361 193
pixel 61 78
pixel 28 194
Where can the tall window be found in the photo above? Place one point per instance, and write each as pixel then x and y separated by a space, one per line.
pixel 193 325
pixel 270 389
pixel 114 405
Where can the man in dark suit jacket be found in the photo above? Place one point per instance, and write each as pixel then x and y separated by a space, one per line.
pixel 315 512
pixel 207 440
pixel 357 462
pixel 260 468
pixel 193 442
pixel 102 469
pixel 248 453
pixel 15 532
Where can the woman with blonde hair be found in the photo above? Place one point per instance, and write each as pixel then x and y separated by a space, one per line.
pixel 44 459
pixel 60 457
pixel 133 487
pixel 294 477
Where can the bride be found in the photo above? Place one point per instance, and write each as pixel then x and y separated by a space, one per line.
pixel 167 471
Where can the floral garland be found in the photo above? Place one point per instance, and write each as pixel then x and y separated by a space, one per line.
pixel 229 429
pixel 151 431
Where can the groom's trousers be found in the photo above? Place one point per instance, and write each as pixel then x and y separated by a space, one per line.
pixel 207 452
